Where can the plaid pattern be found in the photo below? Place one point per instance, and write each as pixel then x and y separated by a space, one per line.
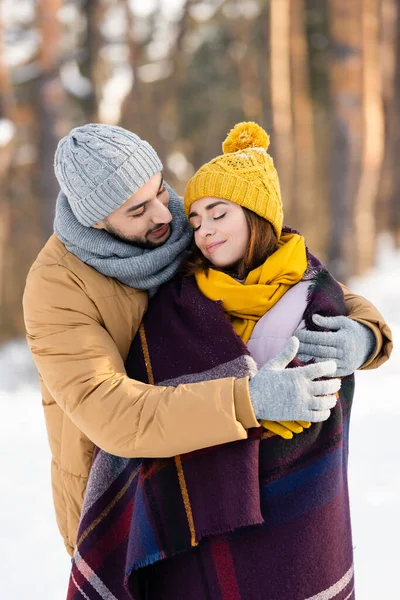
pixel 263 518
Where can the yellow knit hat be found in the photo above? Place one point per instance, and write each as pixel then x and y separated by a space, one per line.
pixel 244 174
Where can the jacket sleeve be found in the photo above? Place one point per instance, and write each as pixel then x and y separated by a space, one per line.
pixel 361 310
pixel 82 369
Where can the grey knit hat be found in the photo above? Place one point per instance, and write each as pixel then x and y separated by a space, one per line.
pixel 99 167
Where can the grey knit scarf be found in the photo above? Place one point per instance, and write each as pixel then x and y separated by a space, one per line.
pixel 133 266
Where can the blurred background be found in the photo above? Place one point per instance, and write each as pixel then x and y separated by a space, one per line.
pixel 322 77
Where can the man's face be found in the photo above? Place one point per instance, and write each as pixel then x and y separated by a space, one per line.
pixel 144 219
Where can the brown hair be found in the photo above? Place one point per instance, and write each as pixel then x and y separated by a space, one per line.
pixel 262 243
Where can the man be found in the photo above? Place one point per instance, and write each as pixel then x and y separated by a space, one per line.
pixel 120 232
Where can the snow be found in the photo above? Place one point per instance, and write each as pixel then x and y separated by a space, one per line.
pixel 34 563
pixel 155 71
pixel 73 81
pixel 114 92
pixel 114 26
pixel 7 132
pixel 180 166
pixel 374 454
pixel 22 50
pixel 246 10
pixel 22 11
pixel 204 11
pixel 169 9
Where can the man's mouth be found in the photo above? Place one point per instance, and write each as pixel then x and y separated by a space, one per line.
pixel 160 231
pixel 212 247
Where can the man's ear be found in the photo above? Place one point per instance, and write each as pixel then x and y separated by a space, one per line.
pixel 99 225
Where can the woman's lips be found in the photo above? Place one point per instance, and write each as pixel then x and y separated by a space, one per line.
pixel 161 231
pixel 212 247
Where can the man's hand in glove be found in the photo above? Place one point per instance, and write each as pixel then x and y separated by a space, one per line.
pixel 348 343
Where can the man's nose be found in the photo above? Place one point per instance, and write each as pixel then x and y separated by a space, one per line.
pixel 161 213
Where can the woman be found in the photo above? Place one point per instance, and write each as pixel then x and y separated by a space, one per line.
pixel 263 518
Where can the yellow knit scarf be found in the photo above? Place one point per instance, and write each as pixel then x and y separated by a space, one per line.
pixel 245 303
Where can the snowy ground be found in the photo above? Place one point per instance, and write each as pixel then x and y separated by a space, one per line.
pixel 34 564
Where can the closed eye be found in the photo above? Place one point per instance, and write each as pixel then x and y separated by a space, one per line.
pixel 141 212
pixel 220 217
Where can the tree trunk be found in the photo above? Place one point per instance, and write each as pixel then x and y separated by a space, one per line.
pixel 388 12
pixel 307 210
pixel 50 99
pixel 347 129
pixel 281 98
pixel 373 140
pixel 132 109
pixel 395 129
pixel 6 157
pixel 246 63
pixel 89 66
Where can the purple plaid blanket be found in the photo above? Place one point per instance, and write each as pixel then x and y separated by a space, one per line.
pixel 263 518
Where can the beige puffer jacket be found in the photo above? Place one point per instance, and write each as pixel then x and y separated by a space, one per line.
pixel 80 325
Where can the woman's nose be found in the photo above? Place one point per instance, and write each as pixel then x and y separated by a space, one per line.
pixel 206 230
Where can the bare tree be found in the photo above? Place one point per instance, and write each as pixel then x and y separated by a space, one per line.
pixel 245 58
pixel 388 45
pixel 50 96
pixel 395 125
pixel 93 11
pixel 347 128
pixel 281 95
pixel 6 157
pixel 373 139
pixel 133 105
pixel 307 210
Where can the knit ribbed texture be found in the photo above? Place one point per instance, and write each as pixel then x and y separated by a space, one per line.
pixel 100 166
pixel 246 177
pixel 350 345
pixel 133 266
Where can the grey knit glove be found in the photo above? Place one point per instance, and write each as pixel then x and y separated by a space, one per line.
pixel 349 343
pixel 280 394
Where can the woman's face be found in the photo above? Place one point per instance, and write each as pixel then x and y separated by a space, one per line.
pixel 221 231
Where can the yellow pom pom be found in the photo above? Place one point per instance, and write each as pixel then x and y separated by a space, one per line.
pixel 245 135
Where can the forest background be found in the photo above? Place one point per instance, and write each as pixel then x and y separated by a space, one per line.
pixel 322 76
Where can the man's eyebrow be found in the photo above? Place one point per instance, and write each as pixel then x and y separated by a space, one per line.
pixel 137 206
pixel 208 207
